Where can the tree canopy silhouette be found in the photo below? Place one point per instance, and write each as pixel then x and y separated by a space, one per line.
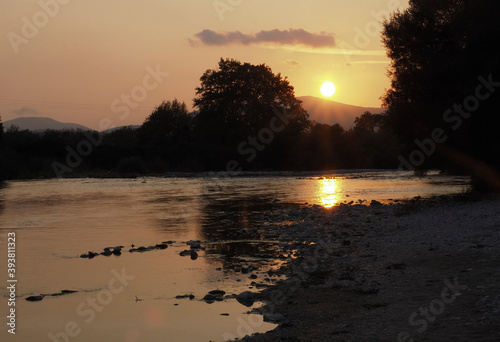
pixel 245 96
pixel 166 123
pixel 236 101
pixel 441 52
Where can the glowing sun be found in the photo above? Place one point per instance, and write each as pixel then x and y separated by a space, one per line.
pixel 328 89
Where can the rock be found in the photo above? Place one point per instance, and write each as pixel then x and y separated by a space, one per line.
pixel 190 296
pixel 210 297
pixel 162 245
pixel 68 291
pixel 89 255
pixel 227 221
pixel 217 292
pixel 253 276
pixel 274 317
pixel 375 203
pixel 141 249
pixel 92 255
pixel 185 252
pixel 34 298
pixel 246 298
pixel 107 252
pixel 62 293
pixel 194 255
pixel 194 244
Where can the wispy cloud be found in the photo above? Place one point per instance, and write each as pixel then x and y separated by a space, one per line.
pixel 26 111
pixel 271 37
pixel 293 62
pixel 296 40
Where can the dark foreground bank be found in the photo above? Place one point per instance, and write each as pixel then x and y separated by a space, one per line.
pixel 419 271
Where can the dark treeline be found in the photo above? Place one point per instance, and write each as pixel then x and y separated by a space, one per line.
pixel 172 139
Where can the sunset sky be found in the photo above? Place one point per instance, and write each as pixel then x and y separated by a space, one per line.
pixel 85 61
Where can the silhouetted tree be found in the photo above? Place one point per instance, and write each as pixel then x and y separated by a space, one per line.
pixel 239 99
pixel 168 122
pixel 247 94
pixel 441 52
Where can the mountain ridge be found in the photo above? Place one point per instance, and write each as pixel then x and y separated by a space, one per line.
pixel 42 124
pixel 331 112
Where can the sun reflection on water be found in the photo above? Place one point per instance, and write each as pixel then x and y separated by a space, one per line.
pixel 329 192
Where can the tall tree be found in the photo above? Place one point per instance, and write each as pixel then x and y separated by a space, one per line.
pixel 245 111
pixel 441 52
pixel 241 97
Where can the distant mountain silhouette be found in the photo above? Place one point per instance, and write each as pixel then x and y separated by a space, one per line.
pixel 331 112
pixel 41 124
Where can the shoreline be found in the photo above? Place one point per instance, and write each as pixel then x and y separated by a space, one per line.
pixel 425 270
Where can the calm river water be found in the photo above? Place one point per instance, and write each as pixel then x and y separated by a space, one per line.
pixel 132 297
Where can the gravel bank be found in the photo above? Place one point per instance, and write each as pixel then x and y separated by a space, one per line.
pixel 425 270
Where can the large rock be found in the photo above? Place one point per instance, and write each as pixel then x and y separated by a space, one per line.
pixel 246 298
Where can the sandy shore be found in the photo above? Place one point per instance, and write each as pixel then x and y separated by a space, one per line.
pixel 426 270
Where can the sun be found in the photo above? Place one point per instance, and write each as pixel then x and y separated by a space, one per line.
pixel 328 89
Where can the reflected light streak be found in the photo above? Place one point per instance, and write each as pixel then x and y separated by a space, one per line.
pixel 328 192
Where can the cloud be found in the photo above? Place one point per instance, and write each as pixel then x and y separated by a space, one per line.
pixel 272 37
pixel 26 111
pixel 293 62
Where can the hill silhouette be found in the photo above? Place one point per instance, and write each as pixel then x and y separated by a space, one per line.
pixel 42 123
pixel 332 112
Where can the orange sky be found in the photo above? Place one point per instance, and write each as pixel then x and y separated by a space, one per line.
pixel 89 61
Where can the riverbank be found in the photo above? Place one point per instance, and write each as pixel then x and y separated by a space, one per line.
pixel 425 270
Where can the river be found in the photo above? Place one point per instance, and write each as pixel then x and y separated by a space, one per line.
pixel 132 297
